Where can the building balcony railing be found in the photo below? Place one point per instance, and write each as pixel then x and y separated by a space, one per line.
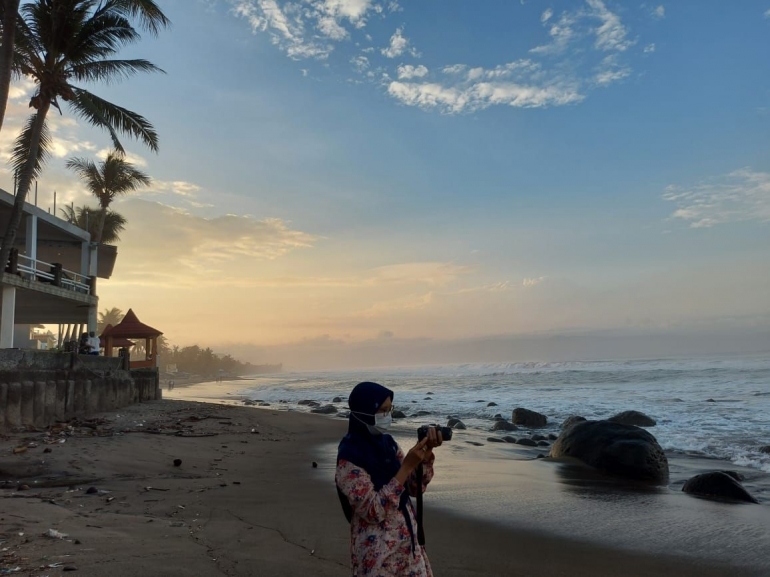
pixel 50 273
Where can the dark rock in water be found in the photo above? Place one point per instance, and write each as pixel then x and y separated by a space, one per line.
pixel 456 424
pixel 495 440
pixel 718 485
pixel 498 417
pixel 552 436
pixel 422 413
pixel 538 438
pixel 543 444
pixel 264 404
pixel 614 449
pixel 430 393
pixel 504 426
pixel 427 399
pixel 325 410
pixel 569 421
pixel 249 403
pixel 475 444
pixel 177 462
pixel 527 442
pixel 92 491
pixel 527 418
pixel 314 465
pixel 481 401
pixel 414 401
pixel 492 404
pixel 710 401
pixel 399 414
pixel 540 456
pixel 509 439
pixel 338 400
pixel 306 402
pixel 452 421
pixel 734 474
pixel 765 449
pixel 633 418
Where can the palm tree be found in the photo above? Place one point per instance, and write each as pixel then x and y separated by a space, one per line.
pixel 114 176
pixel 10 10
pixel 87 218
pixel 111 316
pixel 61 41
pixel 149 15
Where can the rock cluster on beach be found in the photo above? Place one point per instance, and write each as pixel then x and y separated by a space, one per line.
pixel 719 486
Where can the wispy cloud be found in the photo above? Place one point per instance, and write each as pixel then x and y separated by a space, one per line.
pixel 519 84
pixel 584 51
pixel 407 72
pixel 659 12
pixel 767 13
pixel 742 195
pixel 399 44
pixel 530 282
pixel 649 49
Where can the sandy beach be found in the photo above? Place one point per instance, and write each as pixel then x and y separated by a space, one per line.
pixel 245 500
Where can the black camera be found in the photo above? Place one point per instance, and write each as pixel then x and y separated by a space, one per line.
pixel 446 432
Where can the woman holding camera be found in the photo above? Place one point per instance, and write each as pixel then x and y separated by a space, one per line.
pixel 374 481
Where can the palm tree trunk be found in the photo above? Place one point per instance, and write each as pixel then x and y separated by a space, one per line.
pixel 11 10
pixel 24 183
pixel 100 225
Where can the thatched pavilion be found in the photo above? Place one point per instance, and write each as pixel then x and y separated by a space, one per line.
pixel 132 328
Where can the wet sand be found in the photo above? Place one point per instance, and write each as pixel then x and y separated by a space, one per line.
pixel 246 501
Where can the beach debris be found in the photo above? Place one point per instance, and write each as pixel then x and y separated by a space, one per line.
pixel 19 450
pixel 23 487
pixel 154 489
pixel 177 462
pixel 69 568
pixel 475 444
pixel 92 491
pixel 54 534
pixel 9 571
pixel 633 418
pixel 314 465
pixel 527 418
pixel 254 432
pixel 53 566
pixel 48 450
pixel 719 486
pixel 176 524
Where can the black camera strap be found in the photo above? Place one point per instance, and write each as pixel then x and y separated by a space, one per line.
pixel 420 530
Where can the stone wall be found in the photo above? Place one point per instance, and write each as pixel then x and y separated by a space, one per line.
pixel 38 388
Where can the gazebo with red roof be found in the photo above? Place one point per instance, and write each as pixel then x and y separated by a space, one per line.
pixel 132 328
pixel 120 342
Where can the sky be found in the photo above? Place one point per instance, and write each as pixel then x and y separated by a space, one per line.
pixel 339 176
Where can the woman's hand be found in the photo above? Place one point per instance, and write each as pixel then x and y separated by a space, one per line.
pixel 434 439
pixel 412 460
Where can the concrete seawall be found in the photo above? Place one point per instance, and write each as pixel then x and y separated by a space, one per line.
pixel 38 388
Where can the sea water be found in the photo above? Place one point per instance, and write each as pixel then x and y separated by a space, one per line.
pixel 715 407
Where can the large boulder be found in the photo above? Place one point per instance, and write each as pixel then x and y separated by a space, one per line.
pixel 527 442
pixel 504 426
pixel 527 418
pixel 569 421
pixel 398 414
pixel 614 449
pixel 633 418
pixel 718 485
pixel 455 423
pixel 765 449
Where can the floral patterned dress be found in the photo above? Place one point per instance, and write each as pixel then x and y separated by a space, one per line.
pixel 380 541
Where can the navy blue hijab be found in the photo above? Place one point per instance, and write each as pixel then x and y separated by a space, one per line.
pixel 377 454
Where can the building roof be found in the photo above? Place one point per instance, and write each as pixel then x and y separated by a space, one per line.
pixel 118 342
pixel 132 328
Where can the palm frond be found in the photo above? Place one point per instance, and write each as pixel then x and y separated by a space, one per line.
pixel 21 148
pixel 111 70
pixel 88 173
pixel 113 118
pixel 147 12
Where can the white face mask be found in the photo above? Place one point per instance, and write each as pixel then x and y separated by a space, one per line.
pixel 382 422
